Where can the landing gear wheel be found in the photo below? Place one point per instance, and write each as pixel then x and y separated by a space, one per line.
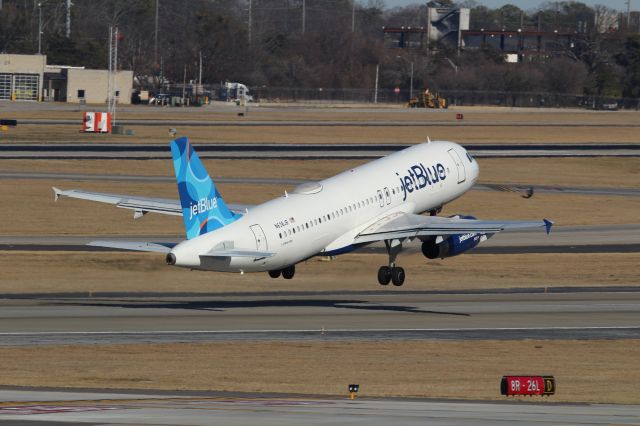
pixel 397 276
pixel 275 274
pixel 384 275
pixel 289 272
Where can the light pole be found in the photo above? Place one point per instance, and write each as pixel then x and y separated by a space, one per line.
pixel 39 28
pixel 155 37
pixel 411 83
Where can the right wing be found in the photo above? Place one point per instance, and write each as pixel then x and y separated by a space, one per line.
pixel 403 225
pixel 140 205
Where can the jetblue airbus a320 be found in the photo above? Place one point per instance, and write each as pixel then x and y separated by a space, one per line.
pixel 383 200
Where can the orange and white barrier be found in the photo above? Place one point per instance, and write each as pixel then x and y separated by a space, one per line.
pixel 96 122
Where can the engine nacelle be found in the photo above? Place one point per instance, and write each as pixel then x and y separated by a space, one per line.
pixel 452 245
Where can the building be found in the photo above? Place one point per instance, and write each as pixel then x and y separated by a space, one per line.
pixel 21 77
pixel 29 78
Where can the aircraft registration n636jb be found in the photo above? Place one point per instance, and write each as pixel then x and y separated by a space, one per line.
pixel 378 201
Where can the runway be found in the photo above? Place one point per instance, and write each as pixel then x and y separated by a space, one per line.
pixel 302 151
pixel 383 315
pixel 58 407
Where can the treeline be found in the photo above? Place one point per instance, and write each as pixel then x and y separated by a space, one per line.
pixel 325 44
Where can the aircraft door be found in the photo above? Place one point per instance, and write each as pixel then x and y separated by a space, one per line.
pixel 261 239
pixel 462 176
pixel 380 198
pixel 388 195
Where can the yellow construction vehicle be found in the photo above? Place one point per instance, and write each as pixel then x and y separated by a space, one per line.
pixel 426 99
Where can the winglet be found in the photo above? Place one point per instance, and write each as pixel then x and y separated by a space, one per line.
pixel 548 224
pixel 56 193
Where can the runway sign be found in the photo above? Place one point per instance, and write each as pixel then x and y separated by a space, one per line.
pixel 528 385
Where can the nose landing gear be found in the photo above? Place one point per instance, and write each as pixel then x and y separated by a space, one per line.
pixel 392 273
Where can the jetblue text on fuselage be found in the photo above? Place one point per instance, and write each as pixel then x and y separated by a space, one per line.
pixel 419 176
pixel 202 206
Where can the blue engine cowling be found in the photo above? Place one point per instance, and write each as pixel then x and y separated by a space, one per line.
pixel 452 245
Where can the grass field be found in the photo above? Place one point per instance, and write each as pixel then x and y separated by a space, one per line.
pixel 60 133
pixel 61 271
pixel 509 125
pixel 586 371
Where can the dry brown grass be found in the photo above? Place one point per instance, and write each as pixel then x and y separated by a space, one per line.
pixel 589 172
pixel 366 112
pixel 143 272
pixel 80 217
pixel 586 371
pixel 324 134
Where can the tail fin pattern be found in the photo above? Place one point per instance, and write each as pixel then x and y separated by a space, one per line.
pixel 203 209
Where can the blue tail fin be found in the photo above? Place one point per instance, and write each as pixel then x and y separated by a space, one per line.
pixel 203 209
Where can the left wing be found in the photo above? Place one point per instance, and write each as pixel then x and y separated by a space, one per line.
pixel 140 205
pixel 403 225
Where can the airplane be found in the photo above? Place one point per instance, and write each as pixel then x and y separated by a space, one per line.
pixel 380 201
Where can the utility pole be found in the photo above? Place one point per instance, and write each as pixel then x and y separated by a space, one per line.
pixel 304 15
pixel 155 37
pixel 411 83
pixel 184 85
pixel 68 18
pixel 39 28
pixel 200 75
pixel 112 86
pixel 353 17
pixel 249 23
pixel 628 15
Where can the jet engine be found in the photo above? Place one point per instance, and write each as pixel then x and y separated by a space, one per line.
pixel 434 247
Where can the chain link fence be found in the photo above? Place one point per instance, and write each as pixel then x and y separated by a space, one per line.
pixel 401 97
pixel 453 97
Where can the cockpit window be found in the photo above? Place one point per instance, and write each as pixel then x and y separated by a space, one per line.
pixel 469 157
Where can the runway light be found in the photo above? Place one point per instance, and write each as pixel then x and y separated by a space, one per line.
pixel 353 390
pixel 527 385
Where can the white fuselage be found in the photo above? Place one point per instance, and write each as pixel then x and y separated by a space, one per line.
pixel 323 218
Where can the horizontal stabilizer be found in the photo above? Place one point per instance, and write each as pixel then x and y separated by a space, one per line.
pixel 238 253
pixel 134 245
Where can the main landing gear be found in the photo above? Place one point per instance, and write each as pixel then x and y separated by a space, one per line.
pixel 391 273
pixel 287 273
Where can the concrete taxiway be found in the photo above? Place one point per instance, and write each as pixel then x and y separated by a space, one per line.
pixel 302 151
pixel 384 315
pixel 562 239
pixel 35 407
